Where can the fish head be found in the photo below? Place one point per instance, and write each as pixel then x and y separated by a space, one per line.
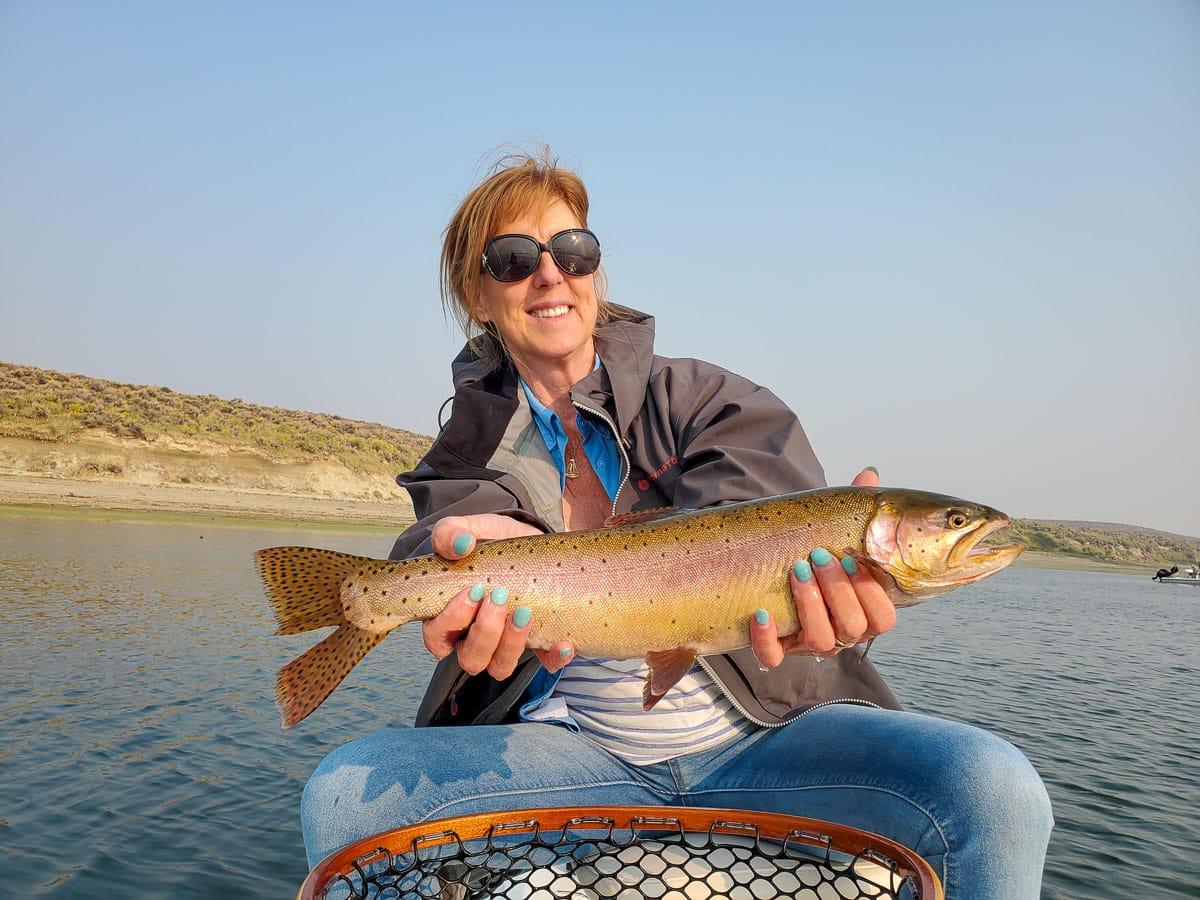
pixel 921 545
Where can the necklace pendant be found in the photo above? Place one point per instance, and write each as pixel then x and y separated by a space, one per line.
pixel 571 469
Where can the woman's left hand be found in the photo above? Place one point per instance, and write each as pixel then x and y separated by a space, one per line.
pixel 839 605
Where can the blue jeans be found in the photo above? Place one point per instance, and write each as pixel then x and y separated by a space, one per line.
pixel 965 800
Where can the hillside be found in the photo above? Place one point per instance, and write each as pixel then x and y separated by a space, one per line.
pixel 74 440
pixel 85 441
pixel 1124 545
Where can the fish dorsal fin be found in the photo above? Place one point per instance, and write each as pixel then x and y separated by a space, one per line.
pixel 666 668
pixel 644 515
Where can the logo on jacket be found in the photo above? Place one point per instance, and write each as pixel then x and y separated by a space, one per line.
pixel 644 483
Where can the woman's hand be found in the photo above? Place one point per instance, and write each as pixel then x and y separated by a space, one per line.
pixel 838 604
pixel 477 623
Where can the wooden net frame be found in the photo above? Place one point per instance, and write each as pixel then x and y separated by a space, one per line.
pixel 625 853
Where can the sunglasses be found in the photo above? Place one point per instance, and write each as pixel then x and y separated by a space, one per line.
pixel 514 257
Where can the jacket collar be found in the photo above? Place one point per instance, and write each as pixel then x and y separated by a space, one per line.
pixel 626 349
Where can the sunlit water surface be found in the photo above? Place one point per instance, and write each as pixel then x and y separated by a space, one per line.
pixel 141 754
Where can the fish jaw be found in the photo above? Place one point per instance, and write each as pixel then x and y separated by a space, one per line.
pixel 922 546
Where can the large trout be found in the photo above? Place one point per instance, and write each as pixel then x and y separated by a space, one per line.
pixel 668 587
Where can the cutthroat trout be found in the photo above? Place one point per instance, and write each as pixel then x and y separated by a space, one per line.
pixel 667 586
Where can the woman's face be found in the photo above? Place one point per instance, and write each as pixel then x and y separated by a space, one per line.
pixel 547 319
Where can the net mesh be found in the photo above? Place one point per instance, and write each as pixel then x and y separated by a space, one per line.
pixel 724 854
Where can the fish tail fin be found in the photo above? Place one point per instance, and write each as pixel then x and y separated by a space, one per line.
pixel 304 585
pixel 304 683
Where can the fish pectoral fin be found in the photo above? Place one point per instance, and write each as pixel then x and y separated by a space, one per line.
pixel 666 668
pixel 645 515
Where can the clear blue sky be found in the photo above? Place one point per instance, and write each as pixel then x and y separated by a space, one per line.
pixel 962 240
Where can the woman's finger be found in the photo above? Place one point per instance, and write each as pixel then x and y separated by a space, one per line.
pixel 841 599
pixel 444 630
pixel 556 657
pixel 816 628
pixel 511 644
pixel 477 647
pixel 876 604
pixel 764 640
pixel 455 536
pixel 868 477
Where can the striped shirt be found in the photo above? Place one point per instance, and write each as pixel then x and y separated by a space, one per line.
pixel 604 697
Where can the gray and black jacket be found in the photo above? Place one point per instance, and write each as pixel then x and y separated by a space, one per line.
pixel 692 435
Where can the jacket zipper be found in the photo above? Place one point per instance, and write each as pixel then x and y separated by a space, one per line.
pixel 626 467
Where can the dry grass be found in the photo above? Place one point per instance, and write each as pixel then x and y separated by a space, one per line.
pixel 53 406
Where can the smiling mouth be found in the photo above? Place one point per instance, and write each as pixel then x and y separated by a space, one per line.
pixel 550 312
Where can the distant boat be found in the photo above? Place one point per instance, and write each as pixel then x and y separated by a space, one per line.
pixel 1190 575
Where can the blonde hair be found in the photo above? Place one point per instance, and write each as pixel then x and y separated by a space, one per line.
pixel 517 184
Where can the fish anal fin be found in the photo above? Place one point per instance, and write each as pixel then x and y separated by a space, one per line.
pixel 666 668
pixel 304 683
pixel 644 515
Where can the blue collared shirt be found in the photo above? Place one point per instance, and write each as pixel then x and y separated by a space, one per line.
pixel 599 443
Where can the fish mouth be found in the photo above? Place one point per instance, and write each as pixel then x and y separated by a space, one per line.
pixel 970 559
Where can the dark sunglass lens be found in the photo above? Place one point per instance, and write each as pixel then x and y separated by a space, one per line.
pixel 512 258
pixel 576 252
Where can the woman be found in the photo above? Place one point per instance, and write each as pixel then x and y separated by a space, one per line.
pixel 563 416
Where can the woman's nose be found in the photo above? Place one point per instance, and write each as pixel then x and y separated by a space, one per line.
pixel 547 272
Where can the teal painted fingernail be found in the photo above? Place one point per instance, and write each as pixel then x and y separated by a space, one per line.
pixel 477 592
pixel 849 565
pixel 803 570
pixel 872 469
pixel 564 652
pixel 761 617
pixel 522 615
pixel 462 543
pixel 499 595
pixel 820 556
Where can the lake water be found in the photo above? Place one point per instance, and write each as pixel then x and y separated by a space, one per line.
pixel 141 754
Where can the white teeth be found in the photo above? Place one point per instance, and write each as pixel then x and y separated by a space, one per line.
pixel 550 313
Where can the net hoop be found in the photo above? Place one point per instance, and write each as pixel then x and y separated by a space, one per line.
pixel 575 852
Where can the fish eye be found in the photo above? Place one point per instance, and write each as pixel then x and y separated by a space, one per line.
pixel 957 518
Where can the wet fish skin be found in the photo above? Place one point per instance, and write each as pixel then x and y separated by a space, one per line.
pixel 667 588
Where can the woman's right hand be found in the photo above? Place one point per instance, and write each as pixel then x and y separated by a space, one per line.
pixel 477 623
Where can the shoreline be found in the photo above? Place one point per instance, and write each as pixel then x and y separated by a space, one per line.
pixel 34 497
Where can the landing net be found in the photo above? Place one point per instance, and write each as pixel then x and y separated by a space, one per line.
pixel 626 853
